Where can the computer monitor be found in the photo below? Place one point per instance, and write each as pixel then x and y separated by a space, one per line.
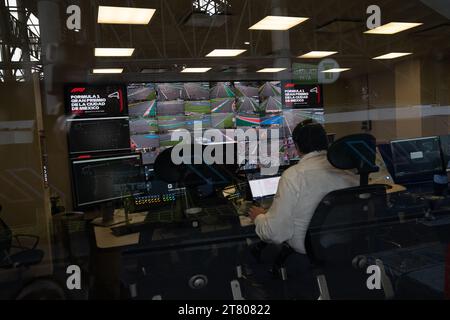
pixel 95 101
pixel 263 188
pixel 93 135
pixel 416 159
pixel 105 179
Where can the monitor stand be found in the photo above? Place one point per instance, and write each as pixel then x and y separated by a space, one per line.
pixel 108 219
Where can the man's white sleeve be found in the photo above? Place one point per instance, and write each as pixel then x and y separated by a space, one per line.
pixel 277 226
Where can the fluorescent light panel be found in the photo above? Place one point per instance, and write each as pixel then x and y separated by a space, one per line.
pixel 392 55
pixel 124 15
pixel 336 70
pixel 278 23
pixel 114 52
pixel 317 54
pixel 393 28
pixel 225 53
pixel 271 70
pixel 195 70
pixel 111 70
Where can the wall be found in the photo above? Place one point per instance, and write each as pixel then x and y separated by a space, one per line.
pixel 22 192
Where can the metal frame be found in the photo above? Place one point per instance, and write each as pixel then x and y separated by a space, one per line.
pixel 18 33
pixel 211 7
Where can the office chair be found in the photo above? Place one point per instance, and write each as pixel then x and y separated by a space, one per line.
pixel 343 231
pixel 13 252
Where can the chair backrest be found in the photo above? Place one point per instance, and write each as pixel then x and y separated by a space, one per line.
pixel 356 151
pixel 343 224
pixel 346 221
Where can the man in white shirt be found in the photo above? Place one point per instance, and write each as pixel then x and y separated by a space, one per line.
pixel 300 190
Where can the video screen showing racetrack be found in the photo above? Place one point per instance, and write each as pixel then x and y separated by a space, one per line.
pixel 197 106
pixel 141 92
pixel 167 124
pixel 170 108
pixel 199 121
pixel 170 91
pixel 148 145
pixel 293 117
pixel 247 94
pixel 196 91
pixel 159 109
pixel 141 105
pixel 223 97
pixel 142 125
pixel 270 97
pixel 223 120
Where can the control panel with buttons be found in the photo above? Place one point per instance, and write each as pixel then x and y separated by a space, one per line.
pixel 145 202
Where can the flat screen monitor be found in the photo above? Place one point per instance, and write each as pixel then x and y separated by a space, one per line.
pixel 262 188
pixel 416 157
pixel 96 101
pixel 302 96
pixel 105 179
pixel 92 135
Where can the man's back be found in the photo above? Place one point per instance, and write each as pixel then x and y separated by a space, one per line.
pixel 301 189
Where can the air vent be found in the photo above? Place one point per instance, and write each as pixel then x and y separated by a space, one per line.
pixel 340 26
pixel 200 19
pixel 234 70
pixel 153 70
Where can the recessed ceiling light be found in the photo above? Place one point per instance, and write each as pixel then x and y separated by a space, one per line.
pixel 318 54
pixel 278 23
pixel 112 70
pixel 114 52
pixel 225 53
pixel 392 55
pixel 195 70
pixel 393 28
pixel 247 43
pixel 336 70
pixel 271 70
pixel 124 15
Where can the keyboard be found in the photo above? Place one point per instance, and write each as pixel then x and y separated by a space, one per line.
pixel 221 210
pixel 129 229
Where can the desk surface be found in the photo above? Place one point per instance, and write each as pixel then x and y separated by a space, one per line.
pixel 106 240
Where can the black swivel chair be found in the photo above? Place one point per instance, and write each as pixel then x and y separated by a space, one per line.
pixel 14 253
pixel 343 231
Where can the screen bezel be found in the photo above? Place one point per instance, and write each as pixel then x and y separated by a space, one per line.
pixel 75 195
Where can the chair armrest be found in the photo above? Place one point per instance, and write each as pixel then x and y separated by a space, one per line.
pixel 18 237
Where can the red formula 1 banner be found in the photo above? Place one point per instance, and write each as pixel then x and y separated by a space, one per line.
pixel 83 101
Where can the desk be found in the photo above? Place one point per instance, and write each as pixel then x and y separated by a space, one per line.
pixel 222 236
pixel 106 240
pixel 395 188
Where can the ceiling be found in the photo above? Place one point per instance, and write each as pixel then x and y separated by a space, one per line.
pixel 170 42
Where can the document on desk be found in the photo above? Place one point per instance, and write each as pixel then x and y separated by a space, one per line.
pixel 245 221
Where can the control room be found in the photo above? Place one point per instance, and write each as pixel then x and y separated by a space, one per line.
pixel 224 150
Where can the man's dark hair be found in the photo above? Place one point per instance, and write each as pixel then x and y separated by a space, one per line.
pixel 310 136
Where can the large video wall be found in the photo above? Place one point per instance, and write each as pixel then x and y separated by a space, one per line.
pixel 157 109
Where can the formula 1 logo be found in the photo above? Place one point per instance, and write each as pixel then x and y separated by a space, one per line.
pixel 78 90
